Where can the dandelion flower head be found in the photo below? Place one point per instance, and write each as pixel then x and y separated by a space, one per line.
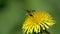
pixel 39 20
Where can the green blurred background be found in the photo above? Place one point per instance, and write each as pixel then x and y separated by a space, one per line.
pixel 12 14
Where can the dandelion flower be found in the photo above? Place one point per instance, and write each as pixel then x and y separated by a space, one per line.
pixel 39 20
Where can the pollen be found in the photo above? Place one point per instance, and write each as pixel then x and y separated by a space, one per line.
pixel 39 20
